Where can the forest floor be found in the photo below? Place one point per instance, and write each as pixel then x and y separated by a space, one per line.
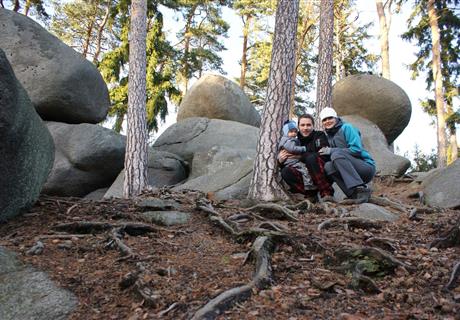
pixel 121 267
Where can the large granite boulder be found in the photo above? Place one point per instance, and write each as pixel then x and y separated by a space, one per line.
pixel 62 85
pixel 216 97
pixel 376 99
pixel 230 182
pixel 26 293
pixel 193 135
pixel 26 146
pixel 374 141
pixel 88 157
pixel 441 188
pixel 164 169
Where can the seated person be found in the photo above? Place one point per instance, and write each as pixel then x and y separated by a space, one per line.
pixel 291 144
pixel 350 165
pixel 312 140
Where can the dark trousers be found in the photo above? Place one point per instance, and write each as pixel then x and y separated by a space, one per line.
pixel 348 171
pixel 315 166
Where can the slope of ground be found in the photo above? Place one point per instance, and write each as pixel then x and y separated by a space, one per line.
pixel 121 267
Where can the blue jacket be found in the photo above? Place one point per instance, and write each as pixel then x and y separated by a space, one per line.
pixel 345 135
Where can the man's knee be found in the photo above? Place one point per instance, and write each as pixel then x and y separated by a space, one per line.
pixel 309 158
pixel 329 168
pixel 338 154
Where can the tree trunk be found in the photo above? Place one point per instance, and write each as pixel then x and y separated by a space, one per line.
pixel 89 30
pixel 16 6
pixel 100 32
pixel 27 8
pixel 452 154
pixel 383 35
pixel 187 36
pixel 265 183
pixel 437 78
pixel 244 56
pixel 136 144
pixel 308 23
pixel 325 58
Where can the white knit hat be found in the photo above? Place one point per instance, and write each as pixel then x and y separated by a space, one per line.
pixel 326 113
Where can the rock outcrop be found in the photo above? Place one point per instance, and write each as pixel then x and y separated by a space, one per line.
pixel 376 99
pixel 216 97
pixel 62 85
pixel 441 187
pixel 88 157
pixel 374 141
pixel 26 146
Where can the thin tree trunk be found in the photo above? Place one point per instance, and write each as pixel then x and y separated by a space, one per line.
pixel 452 154
pixel 265 183
pixel 185 61
pixel 244 56
pixel 437 77
pixel 136 140
pixel 383 35
pixel 326 37
pixel 89 31
pixel 100 32
pixel 16 6
pixel 27 8
pixel 309 22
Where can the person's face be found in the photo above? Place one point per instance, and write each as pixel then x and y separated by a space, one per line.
pixel 305 126
pixel 292 133
pixel 329 122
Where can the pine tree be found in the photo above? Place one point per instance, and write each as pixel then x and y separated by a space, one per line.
pixel 136 140
pixel 265 184
pixel 326 37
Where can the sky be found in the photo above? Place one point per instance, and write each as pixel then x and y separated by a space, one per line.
pixel 420 130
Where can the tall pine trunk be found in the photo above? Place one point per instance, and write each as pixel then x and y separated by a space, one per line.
pixel 437 78
pixel 383 35
pixel 325 58
pixel 136 146
pixel 100 32
pixel 244 55
pixel 265 183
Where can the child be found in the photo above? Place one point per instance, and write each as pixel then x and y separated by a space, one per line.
pixel 291 144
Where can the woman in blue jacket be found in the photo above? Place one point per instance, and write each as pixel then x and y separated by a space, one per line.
pixel 351 166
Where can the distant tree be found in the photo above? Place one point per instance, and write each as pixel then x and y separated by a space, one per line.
pixel 350 53
pixel 136 139
pixel 438 56
pixel 199 41
pixel 423 162
pixel 265 184
pixel 36 7
pixel 325 58
pixel 385 12
pixel 161 67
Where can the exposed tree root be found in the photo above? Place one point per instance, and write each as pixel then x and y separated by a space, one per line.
pixel 365 283
pixel 270 225
pixel 261 251
pixel 117 236
pixel 353 222
pixel 60 236
pixel 452 284
pixel 382 201
pixel 87 227
pixel 303 205
pixel 382 243
pixel 450 239
pixel 273 210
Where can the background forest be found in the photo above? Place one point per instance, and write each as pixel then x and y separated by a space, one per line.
pixel 186 38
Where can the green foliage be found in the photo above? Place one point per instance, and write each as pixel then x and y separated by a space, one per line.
pixel 423 162
pixel 35 8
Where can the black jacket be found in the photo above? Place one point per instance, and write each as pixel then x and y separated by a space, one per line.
pixel 315 141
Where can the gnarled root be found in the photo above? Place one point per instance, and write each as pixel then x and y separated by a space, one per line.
pixel 353 222
pixel 274 210
pixel 451 238
pixel 261 252
pixel 453 277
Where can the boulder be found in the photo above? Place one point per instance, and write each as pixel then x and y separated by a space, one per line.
pixel 373 212
pixel 156 204
pixel 376 99
pixel 194 135
pixel 441 188
pixel 62 85
pixel 96 194
pixel 88 157
pixel 231 182
pixel 26 293
pixel 216 97
pixel 374 141
pixel 217 158
pixel 26 146
pixel 165 169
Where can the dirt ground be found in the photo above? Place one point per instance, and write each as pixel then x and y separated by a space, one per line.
pixel 171 272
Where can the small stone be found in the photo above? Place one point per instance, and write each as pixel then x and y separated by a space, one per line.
pixel 36 249
pixel 65 245
pixel 434 249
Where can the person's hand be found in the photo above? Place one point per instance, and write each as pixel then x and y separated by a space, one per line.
pixel 283 155
pixel 325 151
